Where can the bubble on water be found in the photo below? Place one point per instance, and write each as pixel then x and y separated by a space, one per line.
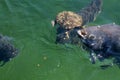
pixel 44 58
pixel 38 65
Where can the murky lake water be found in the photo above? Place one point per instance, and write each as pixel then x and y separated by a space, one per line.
pixel 28 22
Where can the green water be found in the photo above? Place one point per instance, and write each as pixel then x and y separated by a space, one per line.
pixel 28 21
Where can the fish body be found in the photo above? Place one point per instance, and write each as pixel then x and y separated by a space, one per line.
pixel 104 41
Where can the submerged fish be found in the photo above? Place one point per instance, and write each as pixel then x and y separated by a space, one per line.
pixel 104 41
pixel 7 49
pixel 70 20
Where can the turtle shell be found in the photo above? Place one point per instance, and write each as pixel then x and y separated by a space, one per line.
pixel 69 20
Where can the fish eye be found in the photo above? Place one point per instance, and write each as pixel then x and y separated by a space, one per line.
pixel 92 37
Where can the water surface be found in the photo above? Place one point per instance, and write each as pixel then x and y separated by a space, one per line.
pixel 28 21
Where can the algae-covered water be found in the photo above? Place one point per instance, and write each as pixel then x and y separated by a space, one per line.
pixel 28 22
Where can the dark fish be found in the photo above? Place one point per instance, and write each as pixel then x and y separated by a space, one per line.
pixel 90 12
pixel 7 50
pixel 103 40
pixel 70 20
